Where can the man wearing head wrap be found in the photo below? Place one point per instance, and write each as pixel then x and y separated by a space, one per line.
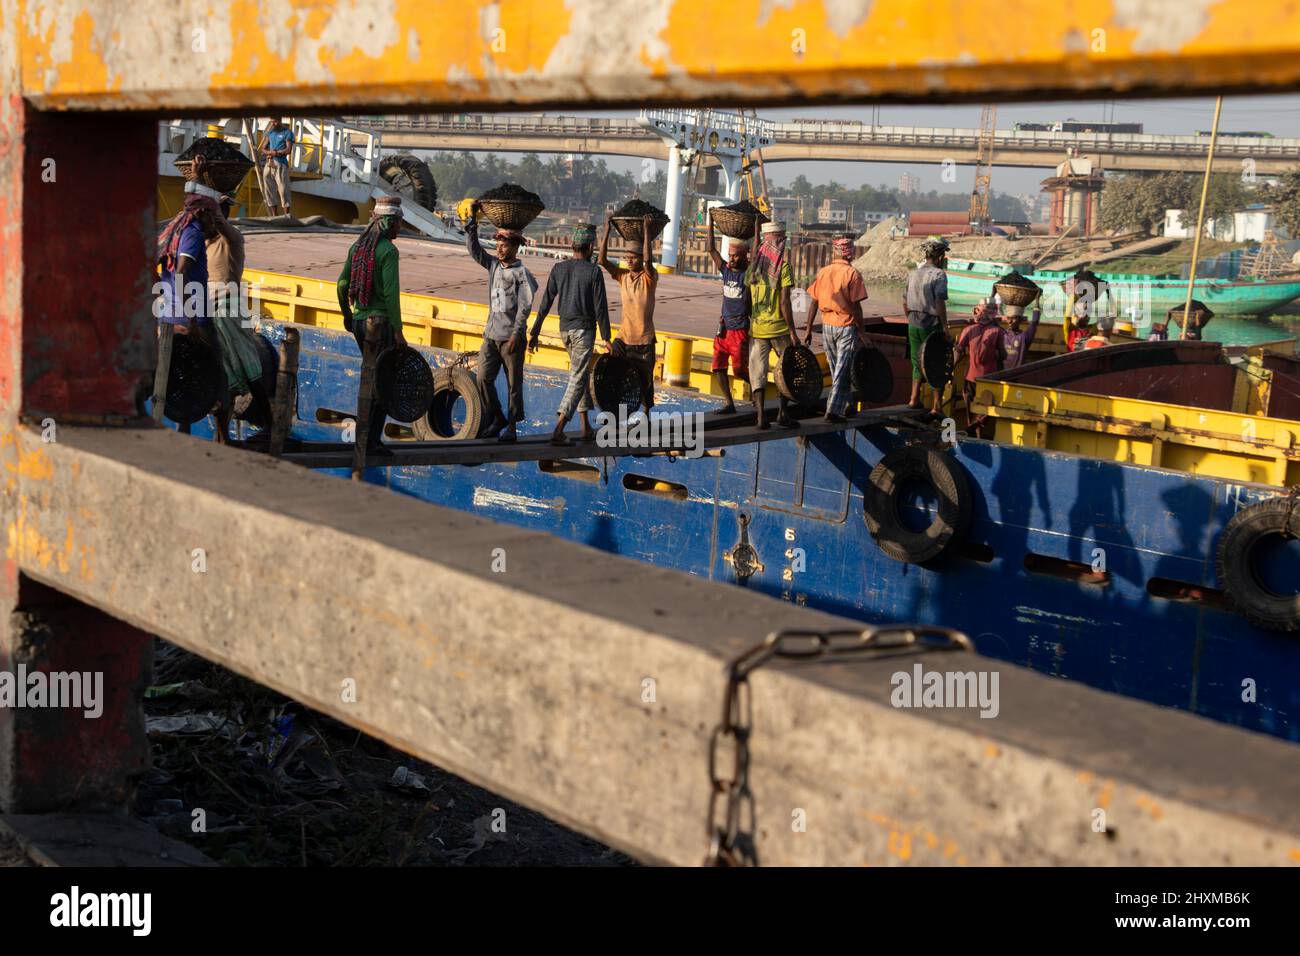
pixel 926 304
pixel 769 281
pixel 838 292
pixel 576 289
pixel 731 344
pixel 183 265
pixel 370 297
pixel 240 357
pixel 985 340
pixel 511 288
pixel 1084 293
pixel 636 291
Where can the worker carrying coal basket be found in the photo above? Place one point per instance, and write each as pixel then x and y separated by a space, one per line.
pixel 370 298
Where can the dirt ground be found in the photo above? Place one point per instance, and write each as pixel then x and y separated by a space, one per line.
pixel 276 784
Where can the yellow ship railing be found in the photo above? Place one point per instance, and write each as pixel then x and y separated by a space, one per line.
pixel 1236 445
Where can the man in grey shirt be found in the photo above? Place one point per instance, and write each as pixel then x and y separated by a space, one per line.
pixel 577 290
pixel 926 304
pixel 511 288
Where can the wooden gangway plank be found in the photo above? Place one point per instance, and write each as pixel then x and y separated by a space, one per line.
pixel 719 432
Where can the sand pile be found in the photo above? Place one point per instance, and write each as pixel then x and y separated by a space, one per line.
pixel 894 258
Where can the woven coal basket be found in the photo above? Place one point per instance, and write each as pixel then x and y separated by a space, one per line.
pixel 617 380
pixel 629 227
pixel 194 380
pixel 799 377
pixel 733 224
pixel 221 175
pixel 1017 296
pixel 511 213
pixel 404 382
pixel 872 376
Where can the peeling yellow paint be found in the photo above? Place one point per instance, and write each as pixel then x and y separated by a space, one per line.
pixel 29 546
pixel 531 52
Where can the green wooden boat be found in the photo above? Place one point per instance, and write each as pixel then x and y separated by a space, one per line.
pixel 1138 296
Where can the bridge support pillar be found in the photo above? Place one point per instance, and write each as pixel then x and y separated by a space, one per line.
pixel 76 338
pixel 673 207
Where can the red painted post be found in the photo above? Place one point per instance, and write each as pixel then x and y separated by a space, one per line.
pixel 76 332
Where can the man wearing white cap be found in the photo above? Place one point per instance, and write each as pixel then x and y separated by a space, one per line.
pixel 769 282
pixel 370 297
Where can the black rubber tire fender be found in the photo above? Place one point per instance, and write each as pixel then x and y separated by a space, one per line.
pixel 881 503
pixel 449 384
pixel 1235 563
pixel 407 169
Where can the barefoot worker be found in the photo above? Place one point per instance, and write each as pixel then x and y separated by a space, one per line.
pixel 926 304
pixel 636 290
pixel 511 288
pixel 577 290
pixel 838 291
pixel 369 296
pixel 731 344
pixel 769 282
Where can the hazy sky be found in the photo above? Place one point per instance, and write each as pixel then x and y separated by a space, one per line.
pixel 1279 115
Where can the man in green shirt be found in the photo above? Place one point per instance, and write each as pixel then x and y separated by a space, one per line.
pixel 370 299
pixel 769 281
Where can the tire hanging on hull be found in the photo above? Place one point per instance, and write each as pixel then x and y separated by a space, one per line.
pixel 882 499
pixel 1236 562
pixel 449 385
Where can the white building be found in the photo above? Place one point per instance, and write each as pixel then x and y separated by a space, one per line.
pixel 1246 225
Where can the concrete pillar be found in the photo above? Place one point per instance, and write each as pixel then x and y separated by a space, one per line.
pixel 733 195
pixel 673 207
pixel 77 239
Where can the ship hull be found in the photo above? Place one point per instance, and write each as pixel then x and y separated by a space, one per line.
pixel 1013 587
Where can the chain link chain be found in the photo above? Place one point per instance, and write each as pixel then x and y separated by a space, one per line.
pixel 729 797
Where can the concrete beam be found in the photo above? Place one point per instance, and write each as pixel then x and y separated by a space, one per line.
pixel 116 55
pixel 532 681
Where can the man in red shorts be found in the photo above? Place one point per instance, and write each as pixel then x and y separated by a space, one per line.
pixel 731 344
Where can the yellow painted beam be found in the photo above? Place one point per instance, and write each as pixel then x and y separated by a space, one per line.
pixel 242 54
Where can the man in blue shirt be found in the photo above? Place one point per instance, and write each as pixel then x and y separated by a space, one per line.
pixel 732 341
pixel 275 166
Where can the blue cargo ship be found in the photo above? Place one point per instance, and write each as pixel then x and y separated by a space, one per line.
pixel 787 518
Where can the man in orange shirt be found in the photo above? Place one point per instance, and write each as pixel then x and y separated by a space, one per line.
pixel 636 289
pixel 838 291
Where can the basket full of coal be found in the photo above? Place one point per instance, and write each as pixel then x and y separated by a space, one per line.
pixel 511 207
pixel 737 220
pixel 223 168
pixel 629 217
pixel 1016 290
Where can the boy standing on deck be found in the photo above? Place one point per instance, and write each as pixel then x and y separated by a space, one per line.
pixel 926 304
pixel 577 289
pixel 732 340
pixel 636 289
pixel 511 288
pixel 838 291
pixel 769 281
pixel 370 298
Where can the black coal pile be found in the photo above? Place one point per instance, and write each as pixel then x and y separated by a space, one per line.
pixel 1016 279
pixel 637 208
pixel 214 151
pixel 744 207
pixel 509 192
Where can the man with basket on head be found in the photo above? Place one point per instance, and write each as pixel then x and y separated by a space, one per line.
pixel 769 281
pixel 577 289
pixel 838 291
pixel 636 290
pixel 370 297
pixel 926 304
pixel 183 268
pixel 731 344
pixel 511 288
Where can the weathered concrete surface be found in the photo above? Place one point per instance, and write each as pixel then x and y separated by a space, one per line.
pixel 117 54
pixel 70 839
pixel 530 682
